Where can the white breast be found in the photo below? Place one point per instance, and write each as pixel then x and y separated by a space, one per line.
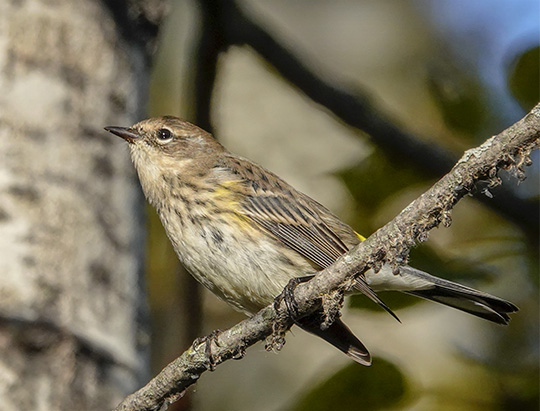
pixel 236 262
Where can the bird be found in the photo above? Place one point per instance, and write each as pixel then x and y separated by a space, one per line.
pixel 244 233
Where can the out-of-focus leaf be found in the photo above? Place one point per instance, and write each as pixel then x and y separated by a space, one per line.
pixel 428 260
pixel 460 98
pixel 394 300
pixel 357 388
pixel 533 261
pixel 370 185
pixel 518 384
pixel 369 181
pixel 524 78
pixel 520 391
pixel 161 262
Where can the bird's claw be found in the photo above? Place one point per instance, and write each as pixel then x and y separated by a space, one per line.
pixel 287 296
pixel 208 340
pixel 276 341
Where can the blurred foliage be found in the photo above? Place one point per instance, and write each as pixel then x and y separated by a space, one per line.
pixel 515 247
pixel 534 264
pixel 355 387
pixel 459 97
pixel 393 300
pixel 524 78
pixel 162 279
pixel 370 186
pixel 518 390
pixel 161 262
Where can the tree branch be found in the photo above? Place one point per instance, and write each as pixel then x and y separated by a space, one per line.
pixel 359 111
pixel 510 150
pixel 209 45
pixel 138 22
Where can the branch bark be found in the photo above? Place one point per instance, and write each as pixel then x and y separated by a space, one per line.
pixel 509 150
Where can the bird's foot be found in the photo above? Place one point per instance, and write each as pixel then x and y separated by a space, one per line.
pixel 208 340
pixel 287 296
pixel 276 341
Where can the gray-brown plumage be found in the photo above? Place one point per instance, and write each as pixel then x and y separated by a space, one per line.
pixel 244 233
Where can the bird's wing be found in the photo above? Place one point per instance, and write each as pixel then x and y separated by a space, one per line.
pixel 295 225
pixel 291 216
pixel 298 221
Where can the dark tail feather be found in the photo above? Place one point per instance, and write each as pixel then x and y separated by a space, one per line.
pixel 339 335
pixel 464 298
pixel 365 289
pixel 483 306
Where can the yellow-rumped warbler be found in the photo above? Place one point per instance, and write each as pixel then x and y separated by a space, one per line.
pixel 243 232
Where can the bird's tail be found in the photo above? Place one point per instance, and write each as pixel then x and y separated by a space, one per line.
pixel 458 296
pixel 337 334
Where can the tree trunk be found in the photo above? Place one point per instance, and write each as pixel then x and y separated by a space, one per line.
pixel 73 327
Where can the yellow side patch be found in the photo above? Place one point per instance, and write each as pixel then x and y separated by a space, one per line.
pixel 229 197
pixel 360 236
pixel 226 189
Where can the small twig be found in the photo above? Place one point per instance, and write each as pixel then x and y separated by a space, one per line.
pixel 509 150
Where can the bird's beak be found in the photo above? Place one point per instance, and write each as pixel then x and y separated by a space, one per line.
pixel 127 134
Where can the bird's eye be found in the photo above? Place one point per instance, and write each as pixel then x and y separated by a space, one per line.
pixel 164 135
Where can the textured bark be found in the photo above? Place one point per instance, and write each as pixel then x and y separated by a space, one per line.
pixel 508 150
pixel 73 329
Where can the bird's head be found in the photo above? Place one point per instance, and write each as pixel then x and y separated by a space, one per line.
pixel 167 147
pixel 167 137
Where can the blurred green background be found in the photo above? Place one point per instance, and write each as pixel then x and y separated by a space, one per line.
pixel 452 73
